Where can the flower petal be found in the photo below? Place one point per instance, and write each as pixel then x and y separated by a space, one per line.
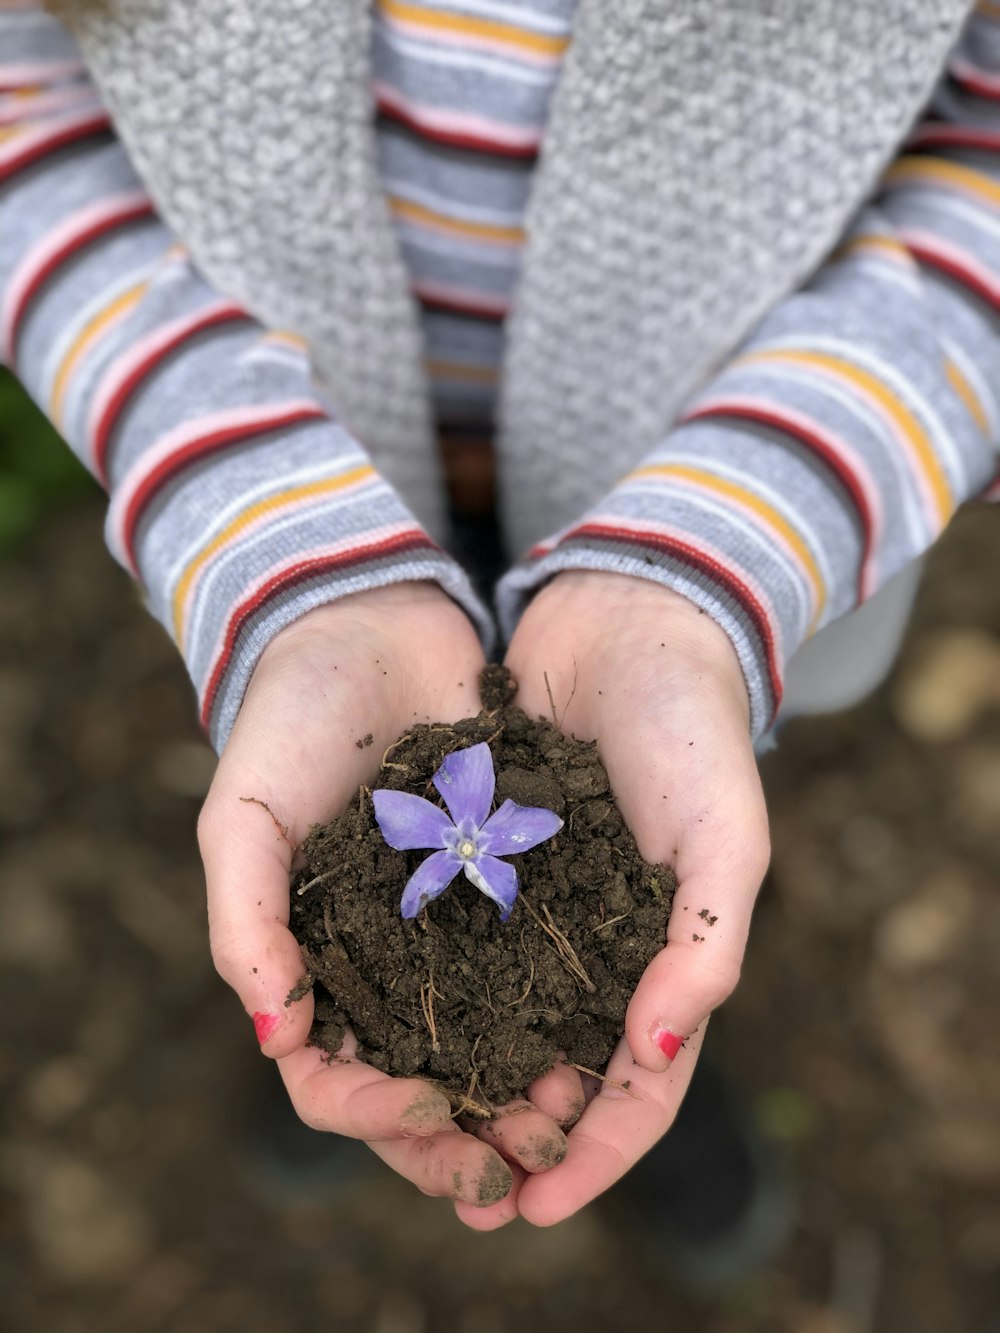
pixel 516 828
pixel 409 821
pixel 497 879
pixel 466 780
pixel 428 881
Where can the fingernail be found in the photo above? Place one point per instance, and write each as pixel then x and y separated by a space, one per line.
pixel 428 1113
pixel 574 1114
pixel 492 1186
pixel 265 1026
pixel 668 1042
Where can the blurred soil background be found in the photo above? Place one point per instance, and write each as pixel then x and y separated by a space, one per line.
pixel 865 1032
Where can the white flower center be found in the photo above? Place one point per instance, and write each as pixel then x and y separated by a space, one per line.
pixel 466 849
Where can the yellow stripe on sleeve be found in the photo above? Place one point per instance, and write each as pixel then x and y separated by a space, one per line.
pixel 768 515
pixel 938 171
pixel 88 335
pixel 231 532
pixel 869 385
pixel 462 25
pixel 876 243
pixel 477 231
pixel 968 395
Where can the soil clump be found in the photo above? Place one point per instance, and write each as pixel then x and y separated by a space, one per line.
pixel 456 996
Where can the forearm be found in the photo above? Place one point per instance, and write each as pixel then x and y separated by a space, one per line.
pixel 834 449
pixel 236 498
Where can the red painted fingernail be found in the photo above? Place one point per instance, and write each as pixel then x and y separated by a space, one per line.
pixel 265 1026
pixel 668 1042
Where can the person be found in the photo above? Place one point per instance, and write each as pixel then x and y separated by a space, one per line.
pixel 744 306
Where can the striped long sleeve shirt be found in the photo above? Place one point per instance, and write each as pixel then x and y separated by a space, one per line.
pixel 832 450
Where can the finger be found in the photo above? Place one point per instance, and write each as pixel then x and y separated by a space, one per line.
pixel 521 1133
pixel 720 872
pixel 617 1128
pixel 559 1094
pixel 247 864
pixel 451 1165
pixel 282 767
pixel 495 1215
pixel 346 1096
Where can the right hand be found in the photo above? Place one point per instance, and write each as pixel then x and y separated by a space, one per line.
pixel 372 662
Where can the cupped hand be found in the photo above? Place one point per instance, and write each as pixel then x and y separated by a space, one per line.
pixel 329 695
pixel 658 685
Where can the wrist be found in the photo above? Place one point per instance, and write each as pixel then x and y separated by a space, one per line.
pixel 419 607
pixel 610 615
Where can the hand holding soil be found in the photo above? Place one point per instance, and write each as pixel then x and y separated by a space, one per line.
pixel 630 665
pixel 330 694
pixel 659 687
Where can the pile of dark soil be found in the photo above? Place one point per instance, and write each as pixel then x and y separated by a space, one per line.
pixel 455 995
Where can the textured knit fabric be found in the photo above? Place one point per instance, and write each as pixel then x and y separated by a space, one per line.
pixel 251 126
pixel 837 445
pixel 700 158
pixel 235 496
pixel 806 475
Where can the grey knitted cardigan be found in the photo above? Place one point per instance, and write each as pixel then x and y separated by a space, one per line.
pixel 668 213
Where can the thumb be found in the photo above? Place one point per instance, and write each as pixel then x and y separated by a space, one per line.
pixel 706 939
pixel 247 861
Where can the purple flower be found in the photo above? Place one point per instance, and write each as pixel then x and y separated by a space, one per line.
pixel 468 841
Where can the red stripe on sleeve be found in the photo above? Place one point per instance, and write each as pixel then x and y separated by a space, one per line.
pixel 109 222
pixel 455 138
pixel 112 409
pixel 705 564
pixel 193 452
pixel 61 137
pixel 951 265
pixel 818 445
pixel 286 580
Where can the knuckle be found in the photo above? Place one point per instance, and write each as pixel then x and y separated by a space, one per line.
pixel 319 1104
pixel 208 825
pixel 225 952
pixel 721 981
pixel 309 1110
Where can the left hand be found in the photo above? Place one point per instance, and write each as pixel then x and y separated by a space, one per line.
pixel 372 661
pixel 657 683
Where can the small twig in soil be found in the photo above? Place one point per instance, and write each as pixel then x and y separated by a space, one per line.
pixel 552 702
pixel 469 1107
pixel 611 921
pixel 282 828
pixel 573 814
pixel 427 994
pixel 402 740
pixel 527 990
pixel 611 1082
pixel 556 719
pixel 569 953
pixel 553 1015
pixel 564 949
pixel 572 694
pixel 328 925
pixel 318 879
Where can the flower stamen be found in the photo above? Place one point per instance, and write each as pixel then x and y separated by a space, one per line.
pixel 471 840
